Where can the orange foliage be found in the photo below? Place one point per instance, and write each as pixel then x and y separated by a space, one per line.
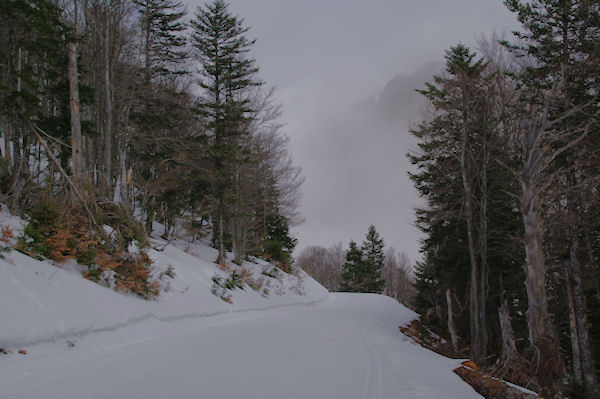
pixel 224 267
pixel 245 273
pixel 490 387
pixel 59 244
pixel 285 267
pixel 132 273
pixel 73 239
pixel 471 364
pixel 6 234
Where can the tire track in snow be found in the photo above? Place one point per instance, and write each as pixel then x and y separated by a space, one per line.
pixel 373 381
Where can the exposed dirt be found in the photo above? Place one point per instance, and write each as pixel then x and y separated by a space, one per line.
pixel 484 382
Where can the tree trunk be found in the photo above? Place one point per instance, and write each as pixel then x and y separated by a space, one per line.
pixel 76 144
pixel 541 330
pixel 588 368
pixel 222 257
pixel 124 200
pixel 535 268
pixel 107 89
pixel 483 246
pixel 576 355
pixel 477 350
pixel 509 348
pixel 451 321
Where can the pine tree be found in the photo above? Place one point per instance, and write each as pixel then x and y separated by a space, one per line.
pixel 163 45
pixel 363 268
pixel 221 48
pixel 352 269
pixel 374 259
pixel 279 245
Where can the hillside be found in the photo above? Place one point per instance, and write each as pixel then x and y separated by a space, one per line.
pixel 42 302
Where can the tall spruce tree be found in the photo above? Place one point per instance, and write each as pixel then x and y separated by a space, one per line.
pixel 352 269
pixel 226 74
pixel 374 258
pixel 163 45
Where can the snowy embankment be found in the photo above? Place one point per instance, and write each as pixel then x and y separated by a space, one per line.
pixel 42 302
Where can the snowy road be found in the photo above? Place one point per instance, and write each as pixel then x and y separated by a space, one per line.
pixel 346 347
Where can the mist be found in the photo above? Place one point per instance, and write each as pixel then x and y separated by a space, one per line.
pixel 345 71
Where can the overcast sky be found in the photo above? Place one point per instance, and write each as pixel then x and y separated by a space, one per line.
pixel 324 57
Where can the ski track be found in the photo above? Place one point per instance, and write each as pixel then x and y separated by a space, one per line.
pixel 345 347
pixel 373 386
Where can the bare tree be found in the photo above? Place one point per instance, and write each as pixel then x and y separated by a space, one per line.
pixel 398 276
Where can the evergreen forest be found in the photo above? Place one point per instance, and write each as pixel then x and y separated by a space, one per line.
pixel 506 166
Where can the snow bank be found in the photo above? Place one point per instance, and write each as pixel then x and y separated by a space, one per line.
pixel 42 302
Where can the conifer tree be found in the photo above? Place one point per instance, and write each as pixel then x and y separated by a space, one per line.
pixel 372 249
pixel 352 269
pixel 163 45
pixel 279 245
pixel 363 267
pixel 221 48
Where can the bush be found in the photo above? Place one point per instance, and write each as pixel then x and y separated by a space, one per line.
pixel 131 273
pixel 6 236
pixel 128 228
pixel 44 221
pixel 63 234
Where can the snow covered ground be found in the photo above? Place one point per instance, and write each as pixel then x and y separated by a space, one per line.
pixel 42 302
pixel 292 340
pixel 347 346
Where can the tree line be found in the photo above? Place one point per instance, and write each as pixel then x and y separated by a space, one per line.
pixel 121 107
pixel 365 268
pixel 507 167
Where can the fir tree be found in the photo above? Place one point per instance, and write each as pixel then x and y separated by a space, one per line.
pixel 163 45
pixel 374 258
pixel 362 270
pixel 221 48
pixel 278 243
pixel 352 269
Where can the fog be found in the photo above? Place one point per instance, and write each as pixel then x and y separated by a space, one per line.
pixel 330 61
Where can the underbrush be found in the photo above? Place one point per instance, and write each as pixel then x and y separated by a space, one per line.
pixel 62 233
pixel 238 278
pixel 270 279
pixel 487 381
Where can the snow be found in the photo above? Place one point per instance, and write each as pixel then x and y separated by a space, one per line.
pixel 84 340
pixel 347 346
pixel 42 302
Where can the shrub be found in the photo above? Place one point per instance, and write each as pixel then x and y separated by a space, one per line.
pixel 131 273
pixel 170 272
pixel 63 234
pixel 128 228
pixel 6 236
